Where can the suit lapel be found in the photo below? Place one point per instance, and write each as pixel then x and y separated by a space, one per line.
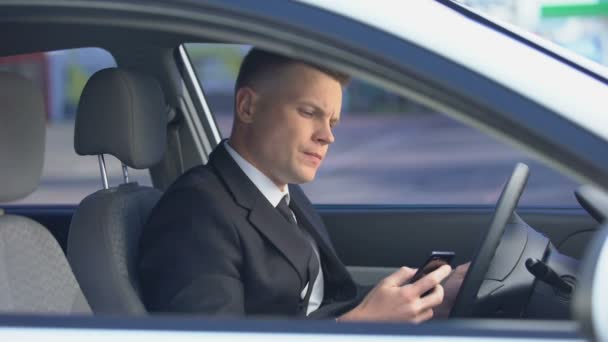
pixel 305 212
pixel 338 282
pixel 283 235
pixel 335 271
pixel 262 215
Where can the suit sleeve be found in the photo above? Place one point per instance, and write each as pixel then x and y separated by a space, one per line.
pixel 190 257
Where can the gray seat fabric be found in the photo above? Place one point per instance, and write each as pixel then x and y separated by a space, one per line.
pixel 121 113
pixel 102 246
pixel 35 276
pixel 22 136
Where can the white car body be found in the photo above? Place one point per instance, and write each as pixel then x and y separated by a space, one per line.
pixel 575 96
pixel 492 55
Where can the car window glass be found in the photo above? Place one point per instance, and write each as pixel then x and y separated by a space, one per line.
pixel 391 150
pixel 61 75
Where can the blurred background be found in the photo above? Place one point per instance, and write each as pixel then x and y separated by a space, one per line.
pixel 388 150
pixel 579 25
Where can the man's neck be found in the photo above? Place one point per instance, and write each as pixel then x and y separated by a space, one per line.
pixel 244 153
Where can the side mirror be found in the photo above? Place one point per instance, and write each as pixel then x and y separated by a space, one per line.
pixel 590 301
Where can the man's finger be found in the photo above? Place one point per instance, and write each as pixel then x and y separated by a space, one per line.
pixel 424 316
pixel 400 277
pixel 432 299
pixel 431 280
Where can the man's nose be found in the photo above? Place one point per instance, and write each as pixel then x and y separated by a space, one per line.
pixel 325 135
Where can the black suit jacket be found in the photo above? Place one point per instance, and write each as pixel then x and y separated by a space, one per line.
pixel 215 245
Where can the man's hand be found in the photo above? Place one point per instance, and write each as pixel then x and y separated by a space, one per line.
pixel 390 300
pixel 452 286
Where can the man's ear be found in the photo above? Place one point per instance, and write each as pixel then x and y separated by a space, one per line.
pixel 245 102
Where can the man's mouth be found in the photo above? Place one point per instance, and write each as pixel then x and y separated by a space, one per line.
pixel 316 155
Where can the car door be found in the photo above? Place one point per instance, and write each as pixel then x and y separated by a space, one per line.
pixel 402 180
pixel 395 64
pixel 401 228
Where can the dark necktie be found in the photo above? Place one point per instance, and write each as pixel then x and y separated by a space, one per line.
pixel 285 210
pixel 313 263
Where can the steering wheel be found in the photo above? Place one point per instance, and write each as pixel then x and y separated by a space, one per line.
pixel 467 296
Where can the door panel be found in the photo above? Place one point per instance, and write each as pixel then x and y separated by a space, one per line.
pixel 369 276
pixel 376 240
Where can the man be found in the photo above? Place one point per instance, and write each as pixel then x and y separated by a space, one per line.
pixel 238 236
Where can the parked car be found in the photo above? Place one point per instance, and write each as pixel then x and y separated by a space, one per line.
pixel 502 82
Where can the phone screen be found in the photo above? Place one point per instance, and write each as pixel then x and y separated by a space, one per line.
pixel 433 262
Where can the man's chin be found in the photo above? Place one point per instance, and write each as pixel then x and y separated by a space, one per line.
pixel 305 178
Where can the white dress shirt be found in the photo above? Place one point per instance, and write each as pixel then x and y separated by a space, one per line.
pixel 274 195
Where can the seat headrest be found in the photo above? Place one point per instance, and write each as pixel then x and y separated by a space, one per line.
pixel 122 113
pixel 22 136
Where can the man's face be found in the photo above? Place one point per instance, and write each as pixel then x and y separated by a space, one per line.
pixel 293 114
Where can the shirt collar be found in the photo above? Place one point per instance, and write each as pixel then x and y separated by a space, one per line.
pixel 266 186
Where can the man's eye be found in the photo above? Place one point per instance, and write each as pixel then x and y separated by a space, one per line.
pixel 306 112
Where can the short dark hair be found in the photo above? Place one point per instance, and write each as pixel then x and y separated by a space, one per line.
pixel 258 62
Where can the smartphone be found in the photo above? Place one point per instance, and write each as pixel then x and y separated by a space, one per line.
pixel 433 262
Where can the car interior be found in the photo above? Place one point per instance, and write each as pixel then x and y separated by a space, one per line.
pixel 36 276
pixel 105 228
pixel 150 113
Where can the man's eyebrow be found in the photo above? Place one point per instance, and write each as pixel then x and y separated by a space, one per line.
pixel 333 121
pixel 311 104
